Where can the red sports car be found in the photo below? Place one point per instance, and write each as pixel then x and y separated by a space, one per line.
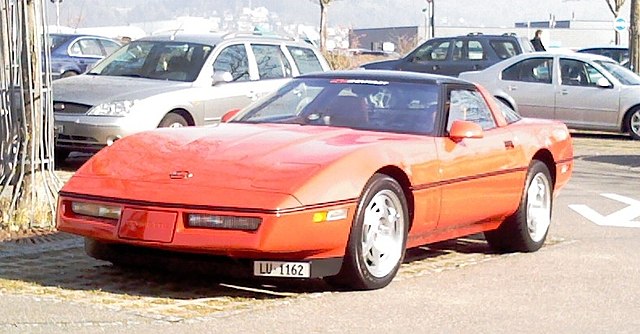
pixel 334 176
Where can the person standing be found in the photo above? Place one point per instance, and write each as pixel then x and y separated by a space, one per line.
pixel 537 42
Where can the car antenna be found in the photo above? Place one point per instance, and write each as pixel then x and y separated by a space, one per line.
pixel 175 32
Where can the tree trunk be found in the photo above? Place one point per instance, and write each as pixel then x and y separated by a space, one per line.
pixel 323 26
pixel 634 36
pixel 26 119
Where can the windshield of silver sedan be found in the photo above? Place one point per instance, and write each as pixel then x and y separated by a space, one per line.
pixel 161 60
pixel 623 74
pixel 401 107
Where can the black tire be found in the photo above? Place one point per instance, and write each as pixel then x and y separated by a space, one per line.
pixel 60 155
pixel 515 234
pixel 116 254
pixel 173 120
pixel 632 123
pixel 357 271
pixel 98 249
pixel 68 74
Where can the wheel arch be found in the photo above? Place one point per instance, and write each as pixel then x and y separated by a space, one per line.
pixel 624 121
pixel 184 113
pixel 546 157
pixel 401 177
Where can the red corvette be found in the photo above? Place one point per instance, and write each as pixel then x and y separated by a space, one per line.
pixel 334 176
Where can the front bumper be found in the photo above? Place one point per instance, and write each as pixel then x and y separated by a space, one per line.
pixel 91 133
pixel 291 236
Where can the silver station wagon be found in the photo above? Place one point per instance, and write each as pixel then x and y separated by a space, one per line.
pixel 172 81
pixel 586 91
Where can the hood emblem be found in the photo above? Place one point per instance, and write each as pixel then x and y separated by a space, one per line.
pixel 180 175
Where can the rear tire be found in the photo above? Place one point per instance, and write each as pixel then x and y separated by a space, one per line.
pixel 378 237
pixel 526 230
pixel 173 120
pixel 632 123
pixel 68 74
pixel 60 155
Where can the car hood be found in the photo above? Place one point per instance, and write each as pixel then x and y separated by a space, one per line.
pixel 382 65
pixel 95 89
pixel 254 165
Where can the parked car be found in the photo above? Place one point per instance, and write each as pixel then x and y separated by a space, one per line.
pixel 584 90
pixel 72 54
pixel 170 81
pixel 615 52
pixel 333 175
pixel 452 55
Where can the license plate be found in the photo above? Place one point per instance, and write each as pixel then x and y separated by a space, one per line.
pixel 282 269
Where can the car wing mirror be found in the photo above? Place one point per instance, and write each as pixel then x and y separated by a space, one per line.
pixel 221 77
pixel 229 115
pixel 603 83
pixel 465 129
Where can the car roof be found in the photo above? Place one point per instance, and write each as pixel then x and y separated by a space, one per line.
pixel 74 35
pixel 576 55
pixel 217 37
pixel 387 75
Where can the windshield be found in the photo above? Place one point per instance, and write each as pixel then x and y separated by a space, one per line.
pixel 399 107
pixel 162 60
pixel 56 40
pixel 623 74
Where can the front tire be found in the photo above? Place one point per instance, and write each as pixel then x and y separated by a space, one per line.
pixel 173 120
pixel 632 123
pixel 526 230
pixel 378 237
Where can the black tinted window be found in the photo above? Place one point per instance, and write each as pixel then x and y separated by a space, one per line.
pixel 538 70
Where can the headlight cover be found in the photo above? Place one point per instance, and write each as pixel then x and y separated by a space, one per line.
pixel 115 108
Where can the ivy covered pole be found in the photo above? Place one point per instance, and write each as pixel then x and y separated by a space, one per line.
pixel 28 184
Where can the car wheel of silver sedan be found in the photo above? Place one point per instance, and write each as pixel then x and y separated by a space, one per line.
pixel 633 123
pixel 173 120
pixel 526 230
pixel 378 237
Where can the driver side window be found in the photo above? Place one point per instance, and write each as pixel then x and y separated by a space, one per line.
pixel 433 51
pixel 233 59
pixel 468 105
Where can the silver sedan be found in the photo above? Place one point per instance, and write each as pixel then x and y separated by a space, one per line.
pixel 586 91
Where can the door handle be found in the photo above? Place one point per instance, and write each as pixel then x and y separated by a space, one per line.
pixel 435 67
pixel 512 88
pixel 564 92
pixel 476 67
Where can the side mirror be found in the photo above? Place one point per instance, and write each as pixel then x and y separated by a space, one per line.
pixel 229 115
pixel 221 77
pixel 465 129
pixel 603 83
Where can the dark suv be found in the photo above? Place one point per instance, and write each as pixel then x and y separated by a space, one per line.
pixel 453 55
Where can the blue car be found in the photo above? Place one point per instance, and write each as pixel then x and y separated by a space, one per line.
pixel 72 54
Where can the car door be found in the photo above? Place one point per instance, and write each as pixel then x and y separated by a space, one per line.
pixel 580 101
pixel 431 57
pixel 481 179
pixel 238 92
pixel 530 83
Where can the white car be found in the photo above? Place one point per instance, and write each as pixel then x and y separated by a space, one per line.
pixel 171 81
pixel 586 91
